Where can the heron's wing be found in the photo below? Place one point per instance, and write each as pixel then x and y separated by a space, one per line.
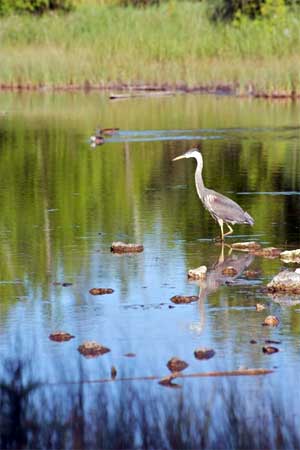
pixel 224 208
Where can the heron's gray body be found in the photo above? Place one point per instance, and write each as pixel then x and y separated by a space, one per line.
pixel 222 208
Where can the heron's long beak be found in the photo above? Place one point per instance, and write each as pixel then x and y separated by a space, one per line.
pixel 178 157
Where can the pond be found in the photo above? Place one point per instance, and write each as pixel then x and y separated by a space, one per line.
pixel 64 202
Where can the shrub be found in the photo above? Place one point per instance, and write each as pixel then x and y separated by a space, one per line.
pixel 33 6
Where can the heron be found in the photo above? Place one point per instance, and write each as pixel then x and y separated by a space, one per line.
pixel 222 208
pixel 107 131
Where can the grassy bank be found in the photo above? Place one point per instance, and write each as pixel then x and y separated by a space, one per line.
pixel 174 44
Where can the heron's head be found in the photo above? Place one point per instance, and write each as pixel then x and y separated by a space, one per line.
pixel 192 153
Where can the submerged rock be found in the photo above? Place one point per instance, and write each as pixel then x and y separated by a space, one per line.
pixel 176 365
pixel 292 256
pixel 260 307
pixel 178 299
pixel 271 321
pixel 252 273
pixel 285 281
pixel 90 349
pixel 246 246
pixel 60 336
pixel 197 274
pixel 204 353
pixel 122 247
pixel 270 349
pixel 101 291
pixel 229 271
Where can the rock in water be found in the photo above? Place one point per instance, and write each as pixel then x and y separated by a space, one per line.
pixel 270 349
pixel 60 336
pixel 121 247
pixel 101 291
pixel 197 274
pixel 290 256
pixel 285 281
pixel 204 353
pixel 184 299
pixel 271 321
pixel 176 365
pixel 90 349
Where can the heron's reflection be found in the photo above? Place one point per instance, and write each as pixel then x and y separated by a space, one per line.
pixel 216 276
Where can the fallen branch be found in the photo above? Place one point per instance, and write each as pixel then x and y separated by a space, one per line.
pixel 225 373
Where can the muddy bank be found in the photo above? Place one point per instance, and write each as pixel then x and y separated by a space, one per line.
pixel 163 88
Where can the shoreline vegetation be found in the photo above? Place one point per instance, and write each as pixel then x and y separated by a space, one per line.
pixel 173 46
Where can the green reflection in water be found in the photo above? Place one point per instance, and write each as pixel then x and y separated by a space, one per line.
pixel 57 194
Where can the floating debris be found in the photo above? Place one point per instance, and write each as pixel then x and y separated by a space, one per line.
pixel 259 307
pixel 268 252
pixel 253 341
pixel 179 299
pixel 130 355
pixel 197 274
pixel 252 273
pixel 204 353
pixel 122 247
pixel 246 246
pixel 270 350
pixel 101 291
pixel 229 271
pixel 285 281
pixel 290 256
pixel 113 372
pixel 60 336
pixel 271 321
pixel 90 349
pixel 176 365
pixel 167 381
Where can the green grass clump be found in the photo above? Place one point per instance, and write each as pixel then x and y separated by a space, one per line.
pixel 174 43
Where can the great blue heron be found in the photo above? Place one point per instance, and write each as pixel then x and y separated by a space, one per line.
pixel 222 209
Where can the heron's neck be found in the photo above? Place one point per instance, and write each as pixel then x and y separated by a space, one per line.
pixel 198 177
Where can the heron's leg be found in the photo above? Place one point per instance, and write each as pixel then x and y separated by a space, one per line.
pixel 221 223
pixel 230 230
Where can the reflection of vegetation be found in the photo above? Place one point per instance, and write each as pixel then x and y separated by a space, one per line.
pixel 224 415
pixel 55 190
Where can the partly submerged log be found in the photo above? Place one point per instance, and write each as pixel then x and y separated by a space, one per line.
pixel 246 246
pixel 113 96
pixel 285 281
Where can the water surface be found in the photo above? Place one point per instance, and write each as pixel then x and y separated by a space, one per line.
pixel 63 203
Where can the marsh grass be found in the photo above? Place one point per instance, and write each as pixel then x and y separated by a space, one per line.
pixel 172 44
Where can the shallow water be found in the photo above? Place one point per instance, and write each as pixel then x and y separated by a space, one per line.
pixel 63 203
